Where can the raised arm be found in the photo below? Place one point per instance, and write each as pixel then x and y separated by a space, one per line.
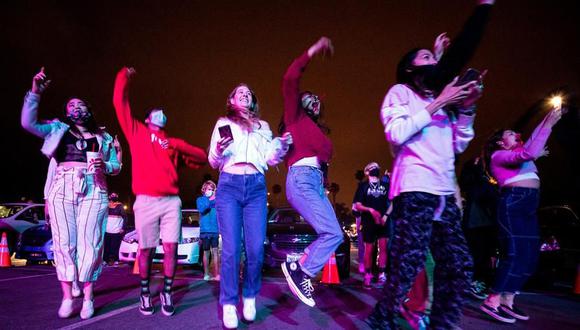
pixel 121 101
pixel 29 115
pixel 463 46
pixel 534 146
pixel 291 81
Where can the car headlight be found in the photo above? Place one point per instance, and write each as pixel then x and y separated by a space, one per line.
pixel 189 240
pixel 129 240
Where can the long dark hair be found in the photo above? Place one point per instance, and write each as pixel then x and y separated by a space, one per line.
pixel 491 146
pixel 232 111
pixel 407 75
pixel 91 125
pixel 318 120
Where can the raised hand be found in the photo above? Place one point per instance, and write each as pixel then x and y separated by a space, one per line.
pixel 39 82
pixel 441 43
pixel 553 116
pixel 323 47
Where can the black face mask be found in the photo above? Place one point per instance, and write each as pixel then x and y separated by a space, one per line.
pixel 374 172
pixel 425 75
pixel 80 117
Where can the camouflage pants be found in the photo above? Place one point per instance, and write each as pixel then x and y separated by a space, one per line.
pixel 415 231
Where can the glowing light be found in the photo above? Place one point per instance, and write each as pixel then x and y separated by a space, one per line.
pixel 556 101
pixel 125 207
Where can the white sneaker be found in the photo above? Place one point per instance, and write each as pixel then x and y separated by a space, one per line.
pixel 206 277
pixel 66 308
pixel 249 309
pixel 230 317
pixel 76 290
pixel 88 309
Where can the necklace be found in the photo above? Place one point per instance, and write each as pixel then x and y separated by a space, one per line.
pixel 81 144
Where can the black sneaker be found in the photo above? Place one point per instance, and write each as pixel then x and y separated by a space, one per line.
pixel 515 312
pixel 477 290
pixel 299 282
pixel 497 314
pixel 146 308
pixel 167 307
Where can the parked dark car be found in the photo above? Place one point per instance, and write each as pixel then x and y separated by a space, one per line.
pixel 35 245
pixel 560 246
pixel 288 233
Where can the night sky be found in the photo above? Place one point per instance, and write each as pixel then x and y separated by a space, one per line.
pixel 190 54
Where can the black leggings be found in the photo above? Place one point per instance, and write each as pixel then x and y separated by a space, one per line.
pixel 415 231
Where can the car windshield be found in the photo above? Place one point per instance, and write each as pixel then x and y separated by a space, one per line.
pixel 190 219
pixel 287 217
pixel 9 210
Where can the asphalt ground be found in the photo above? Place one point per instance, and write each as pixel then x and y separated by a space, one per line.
pixel 30 297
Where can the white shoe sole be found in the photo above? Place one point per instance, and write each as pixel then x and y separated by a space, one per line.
pixel 294 289
pixel 495 316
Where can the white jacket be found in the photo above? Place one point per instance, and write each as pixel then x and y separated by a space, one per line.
pixel 257 147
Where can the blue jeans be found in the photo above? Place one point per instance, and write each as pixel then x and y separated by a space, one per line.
pixel 519 237
pixel 241 205
pixel 305 192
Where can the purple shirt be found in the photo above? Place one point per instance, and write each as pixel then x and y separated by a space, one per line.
pixel 508 166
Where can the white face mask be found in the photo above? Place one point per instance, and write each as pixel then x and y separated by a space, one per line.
pixel 208 193
pixel 158 118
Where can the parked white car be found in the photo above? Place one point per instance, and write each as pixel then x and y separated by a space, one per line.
pixel 187 250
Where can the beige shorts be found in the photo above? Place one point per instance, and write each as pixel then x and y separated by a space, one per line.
pixel 157 217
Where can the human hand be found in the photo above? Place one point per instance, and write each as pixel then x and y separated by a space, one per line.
pixel 553 116
pixel 223 143
pixel 323 46
pixel 286 140
pixel 475 92
pixel 98 164
pixel 376 215
pixel 441 43
pixel 544 152
pixel 452 94
pixel 116 143
pixel 39 82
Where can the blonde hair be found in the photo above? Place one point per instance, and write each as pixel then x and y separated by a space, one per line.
pixel 207 184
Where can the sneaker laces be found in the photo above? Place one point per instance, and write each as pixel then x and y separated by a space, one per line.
pixel 307 287
pixel 166 297
pixel 145 301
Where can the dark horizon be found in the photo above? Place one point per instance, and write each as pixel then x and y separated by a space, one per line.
pixel 189 55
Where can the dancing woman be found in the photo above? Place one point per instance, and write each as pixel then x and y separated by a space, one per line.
pixel 242 148
pixel 307 163
pixel 512 164
pixel 77 197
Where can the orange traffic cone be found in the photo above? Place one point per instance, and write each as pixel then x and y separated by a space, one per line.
pixel 330 272
pixel 136 264
pixel 577 284
pixel 4 252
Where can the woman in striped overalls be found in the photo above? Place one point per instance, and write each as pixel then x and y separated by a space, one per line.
pixel 77 197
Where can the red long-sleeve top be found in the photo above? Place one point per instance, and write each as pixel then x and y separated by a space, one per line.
pixel 309 139
pixel 155 156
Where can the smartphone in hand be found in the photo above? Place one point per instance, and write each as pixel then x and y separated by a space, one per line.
pixel 469 75
pixel 225 131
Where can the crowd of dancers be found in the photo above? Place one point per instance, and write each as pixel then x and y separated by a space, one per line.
pixel 428 118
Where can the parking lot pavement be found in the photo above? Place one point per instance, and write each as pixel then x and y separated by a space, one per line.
pixel 30 296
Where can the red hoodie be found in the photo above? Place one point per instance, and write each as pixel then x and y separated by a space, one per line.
pixel 155 156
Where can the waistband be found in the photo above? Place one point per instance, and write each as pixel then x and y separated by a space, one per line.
pixel 518 189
